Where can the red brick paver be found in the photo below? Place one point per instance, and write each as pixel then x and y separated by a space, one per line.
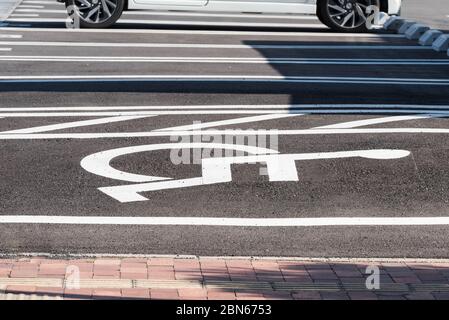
pixel 201 278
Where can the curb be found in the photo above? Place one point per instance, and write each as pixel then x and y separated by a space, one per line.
pixel 52 256
pixel 418 31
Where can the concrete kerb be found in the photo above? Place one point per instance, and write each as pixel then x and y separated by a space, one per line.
pixel 429 37
pixel 441 43
pixel 416 31
pixel 405 26
pixel 394 23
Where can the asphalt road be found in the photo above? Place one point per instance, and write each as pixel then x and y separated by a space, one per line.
pixel 167 77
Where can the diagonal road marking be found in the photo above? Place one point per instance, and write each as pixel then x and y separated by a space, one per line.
pixel 75 124
pixel 367 122
pixel 213 124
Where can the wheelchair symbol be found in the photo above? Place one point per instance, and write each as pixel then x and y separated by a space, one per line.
pixel 280 167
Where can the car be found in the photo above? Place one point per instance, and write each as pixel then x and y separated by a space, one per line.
pixel 340 15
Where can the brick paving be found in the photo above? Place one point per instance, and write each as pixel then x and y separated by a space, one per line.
pixel 208 278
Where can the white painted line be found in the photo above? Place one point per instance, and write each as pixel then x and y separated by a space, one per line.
pixel 75 124
pixel 189 14
pixel 184 23
pixel 228 132
pixel 40 2
pixel 367 122
pixel 10 36
pixel 222 78
pixel 435 113
pixel 213 124
pixel 228 60
pixel 207 45
pixel 5 49
pixel 227 222
pixel 29 6
pixel 24 15
pixel 212 32
pixel 358 107
pixel 99 163
pixel 280 167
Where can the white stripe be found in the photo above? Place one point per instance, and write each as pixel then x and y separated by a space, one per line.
pixel 207 45
pixel 221 78
pixel 24 15
pixel 75 124
pixel 228 60
pixel 29 6
pixel 5 49
pixel 367 122
pixel 190 14
pixel 10 36
pixel 205 111
pixel 228 132
pixel 40 2
pixel 213 124
pixel 235 222
pixel 211 32
pixel 184 23
pixel 379 107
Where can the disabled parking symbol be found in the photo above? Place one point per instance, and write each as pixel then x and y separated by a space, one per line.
pixel 215 170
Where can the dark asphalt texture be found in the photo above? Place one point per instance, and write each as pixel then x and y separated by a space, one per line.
pixel 44 176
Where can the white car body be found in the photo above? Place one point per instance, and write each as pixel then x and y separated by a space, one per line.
pixel 265 6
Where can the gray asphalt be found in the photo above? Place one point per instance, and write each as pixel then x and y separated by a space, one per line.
pixel 43 176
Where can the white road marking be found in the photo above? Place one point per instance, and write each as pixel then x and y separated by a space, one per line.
pixel 99 163
pixel 184 23
pixel 5 49
pixel 29 6
pixel 40 2
pixel 226 222
pixel 280 167
pixel 435 113
pixel 75 124
pixel 24 15
pixel 228 60
pixel 190 14
pixel 221 78
pixel 209 45
pixel 357 107
pixel 367 122
pixel 212 32
pixel 263 132
pixel 10 36
pixel 213 124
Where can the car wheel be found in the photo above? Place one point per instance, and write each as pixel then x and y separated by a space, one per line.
pixel 95 13
pixel 345 15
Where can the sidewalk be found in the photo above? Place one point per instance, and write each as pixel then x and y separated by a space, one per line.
pixel 218 278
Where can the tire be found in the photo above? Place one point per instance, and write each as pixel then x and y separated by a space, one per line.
pixel 95 18
pixel 335 19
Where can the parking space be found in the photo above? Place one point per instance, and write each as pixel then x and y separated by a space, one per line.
pixel 114 140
